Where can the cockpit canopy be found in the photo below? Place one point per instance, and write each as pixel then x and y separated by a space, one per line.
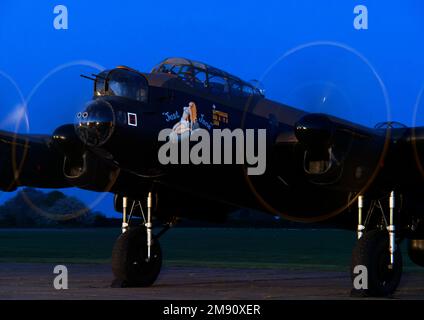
pixel 122 82
pixel 202 76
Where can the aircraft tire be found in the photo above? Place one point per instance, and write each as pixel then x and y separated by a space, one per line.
pixel 372 251
pixel 129 264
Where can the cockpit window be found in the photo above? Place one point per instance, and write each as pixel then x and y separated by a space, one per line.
pixel 236 89
pixel 99 84
pixel 165 68
pixel 186 74
pixel 201 76
pixel 200 79
pixel 248 91
pixel 122 83
pixel 218 85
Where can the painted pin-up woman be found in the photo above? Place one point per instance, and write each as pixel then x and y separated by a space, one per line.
pixel 188 121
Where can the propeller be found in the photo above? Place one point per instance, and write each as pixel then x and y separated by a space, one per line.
pixel 332 82
pixel 12 118
pixel 53 102
pixel 417 137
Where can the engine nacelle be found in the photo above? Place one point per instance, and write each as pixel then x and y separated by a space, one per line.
pixel 83 168
pixel 317 131
pixel 91 172
pixel 331 144
pixel 416 251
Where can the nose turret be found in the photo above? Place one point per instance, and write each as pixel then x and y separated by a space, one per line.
pixel 95 125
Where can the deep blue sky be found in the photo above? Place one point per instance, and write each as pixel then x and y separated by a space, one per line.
pixel 241 37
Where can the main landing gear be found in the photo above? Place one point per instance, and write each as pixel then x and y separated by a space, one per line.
pixel 376 258
pixel 137 255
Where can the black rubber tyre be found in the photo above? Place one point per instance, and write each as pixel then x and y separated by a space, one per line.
pixel 372 251
pixel 129 263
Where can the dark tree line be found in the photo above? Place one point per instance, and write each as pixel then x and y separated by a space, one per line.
pixel 34 208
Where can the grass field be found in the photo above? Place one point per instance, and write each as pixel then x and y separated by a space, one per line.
pixel 214 247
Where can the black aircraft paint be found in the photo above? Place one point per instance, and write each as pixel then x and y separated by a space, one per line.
pixel 317 165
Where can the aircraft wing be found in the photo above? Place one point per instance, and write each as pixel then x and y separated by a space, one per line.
pixel 337 154
pixel 330 152
pixel 415 138
pixel 30 160
pixel 407 158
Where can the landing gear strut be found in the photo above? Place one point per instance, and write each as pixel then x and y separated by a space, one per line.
pixel 137 255
pixel 376 250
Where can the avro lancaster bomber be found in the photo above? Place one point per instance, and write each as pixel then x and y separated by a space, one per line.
pixel 314 167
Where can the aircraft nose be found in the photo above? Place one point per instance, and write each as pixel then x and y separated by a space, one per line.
pixel 96 123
